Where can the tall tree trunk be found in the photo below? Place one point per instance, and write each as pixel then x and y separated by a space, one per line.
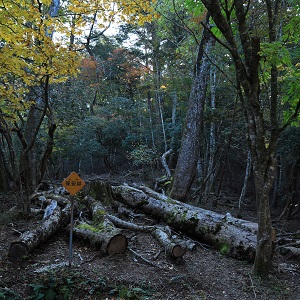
pixel 188 156
pixel 263 185
pixel 7 154
pixel 151 120
pixel 212 136
pixel 157 73
pixel 262 147
pixel 244 189
pixel 173 95
pixel 29 134
pixel 161 116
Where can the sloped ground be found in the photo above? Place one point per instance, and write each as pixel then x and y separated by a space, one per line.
pixel 201 274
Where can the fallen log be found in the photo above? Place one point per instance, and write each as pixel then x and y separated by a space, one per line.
pixel 45 197
pixel 103 234
pixel 171 248
pixel 232 236
pixel 128 225
pixel 107 239
pixel 289 252
pixel 31 239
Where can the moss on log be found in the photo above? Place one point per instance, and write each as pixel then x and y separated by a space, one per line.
pixel 232 236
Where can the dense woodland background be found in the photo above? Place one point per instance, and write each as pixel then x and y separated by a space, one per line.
pixel 80 93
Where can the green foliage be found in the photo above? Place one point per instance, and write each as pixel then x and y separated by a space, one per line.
pixel 93 286
pixel 195 7
pixel 134 293
pixel 275 54
pixel 110 133
pixel 291 94
pixel 224 249
pixel 52 288
pixel 7 294
pixel 217 33
pixel 93 228
pixel 291 30
pixel 142 156
pixel 288 146
pixel 64 284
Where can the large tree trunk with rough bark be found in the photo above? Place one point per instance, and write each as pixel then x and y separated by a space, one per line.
pixel 262 126
pixel 31 239
pixel 232 236
pixel 187 161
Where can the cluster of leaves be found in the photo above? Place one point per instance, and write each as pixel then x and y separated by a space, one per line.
pixel 7 294
pixel 35 41
pixel 65 284
pixel 51 288
pixel 28 52
pixel 288 146
pixel 142 156
pixel 285 57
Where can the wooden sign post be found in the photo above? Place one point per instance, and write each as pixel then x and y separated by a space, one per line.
pixel 73 184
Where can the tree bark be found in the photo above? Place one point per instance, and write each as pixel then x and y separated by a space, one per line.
pixel 244 189
pixel 290 252
pixel 171 248
pixel 30 240
pixel 103 235
pixel 232 236
pixel 165 164
pixel 128 225
pixel 211 172
pixel 108 239
pixel 187 161
pixel 262 139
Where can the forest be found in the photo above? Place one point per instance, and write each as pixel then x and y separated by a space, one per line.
pixel 181 117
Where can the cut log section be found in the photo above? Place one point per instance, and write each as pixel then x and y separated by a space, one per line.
pixel 171 248
pixel 31 239
pixel 103 234
pixel 108 240
pixel 232 236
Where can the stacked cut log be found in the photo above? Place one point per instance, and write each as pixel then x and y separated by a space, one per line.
pixel 232 236
pixel 31 239
pixel 104 235
pixel 171 248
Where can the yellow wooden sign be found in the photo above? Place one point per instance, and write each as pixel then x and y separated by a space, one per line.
pixel 73 183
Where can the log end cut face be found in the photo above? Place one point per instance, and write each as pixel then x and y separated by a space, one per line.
pixel 18 250
pixel 178 251
pixel 117 244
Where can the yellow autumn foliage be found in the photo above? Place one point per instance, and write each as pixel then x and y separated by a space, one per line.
pixel 28 51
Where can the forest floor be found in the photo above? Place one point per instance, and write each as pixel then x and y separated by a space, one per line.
pixel 203 273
